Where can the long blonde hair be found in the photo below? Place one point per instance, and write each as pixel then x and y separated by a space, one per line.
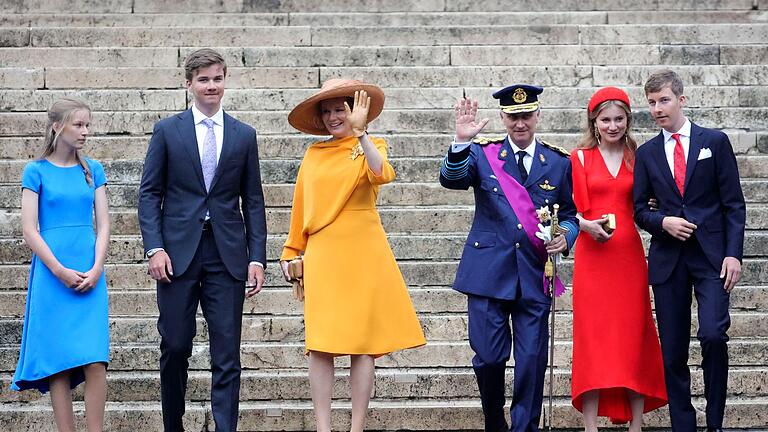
pixel 591 135
pixel 61 112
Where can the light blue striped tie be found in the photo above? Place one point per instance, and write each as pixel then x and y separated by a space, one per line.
pixel 209 154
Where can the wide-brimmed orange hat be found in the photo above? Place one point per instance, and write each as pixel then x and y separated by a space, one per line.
pixel 306 116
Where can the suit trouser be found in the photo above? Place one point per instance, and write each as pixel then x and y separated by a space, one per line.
pixel 673 313
pixel 208 283
pixel 491 340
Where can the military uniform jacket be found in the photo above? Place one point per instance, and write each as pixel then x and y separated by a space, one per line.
pixel 498 260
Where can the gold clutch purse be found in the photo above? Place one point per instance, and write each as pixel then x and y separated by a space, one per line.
pixel 296 273
pixel 610 225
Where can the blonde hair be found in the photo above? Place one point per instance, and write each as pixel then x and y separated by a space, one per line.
pixel 591 135
pixel 61 112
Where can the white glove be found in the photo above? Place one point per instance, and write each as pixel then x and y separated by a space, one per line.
pixel 544 233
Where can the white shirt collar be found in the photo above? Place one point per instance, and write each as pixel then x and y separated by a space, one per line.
pixel 685 131
pixel 217 118
pixel 530 150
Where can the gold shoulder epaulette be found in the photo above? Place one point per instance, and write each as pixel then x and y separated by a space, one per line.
pixel 483 140
pixel 558 149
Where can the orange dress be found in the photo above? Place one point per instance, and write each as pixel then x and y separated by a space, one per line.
pixel 356 301
pixel 615 344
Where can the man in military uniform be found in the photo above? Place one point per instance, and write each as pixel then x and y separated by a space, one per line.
pixel 502 266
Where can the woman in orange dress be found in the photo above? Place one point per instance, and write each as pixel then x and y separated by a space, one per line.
pixel 356 302
pixel 617 365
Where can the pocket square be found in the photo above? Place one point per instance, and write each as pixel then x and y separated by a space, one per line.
pixel 705 153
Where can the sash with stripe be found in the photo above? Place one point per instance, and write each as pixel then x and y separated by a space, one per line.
pixel 522 205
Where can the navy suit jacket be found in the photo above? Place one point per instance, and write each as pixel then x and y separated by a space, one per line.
pixel 712 200
pixel 498 258
pixel 173 200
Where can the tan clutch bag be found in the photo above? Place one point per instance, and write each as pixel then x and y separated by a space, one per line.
pixel 610 225
pixel 296 273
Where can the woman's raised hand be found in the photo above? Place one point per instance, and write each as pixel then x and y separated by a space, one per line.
pixel 358 115
pixel 467 125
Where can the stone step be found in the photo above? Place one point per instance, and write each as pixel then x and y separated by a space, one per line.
pixel 134 147
pixel 396 194
pixel 684 34
pixel 606 5
pixel 428 220
pixel 204 19
pixel 392 19
pixel 416 273
pixel 279 301
pixel 442 327
pixel 196 6
pixel 279 355
pixel 412 121
pixel 411 172
pixel 395 76
pixel 390 384
pixel 397 98
pixel 448 246
pixel 364 56
pixel 457 414
pixel 79 57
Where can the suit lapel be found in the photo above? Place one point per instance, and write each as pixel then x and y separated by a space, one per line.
pixel 508 156
pixel 186 128
pixel 227 144
pixel 661 161
pixel 694 148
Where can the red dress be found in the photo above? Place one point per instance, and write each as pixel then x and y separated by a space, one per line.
pixel 615 344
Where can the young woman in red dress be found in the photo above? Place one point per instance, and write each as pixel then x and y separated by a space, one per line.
pixel 617 365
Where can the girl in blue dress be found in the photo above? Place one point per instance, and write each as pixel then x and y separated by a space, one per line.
pixel 66 328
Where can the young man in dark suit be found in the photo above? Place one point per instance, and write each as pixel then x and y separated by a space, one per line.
pixel 201 212
pixel 696 245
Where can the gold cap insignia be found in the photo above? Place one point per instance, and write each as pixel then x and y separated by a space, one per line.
pixel 519 96
pixel 503 153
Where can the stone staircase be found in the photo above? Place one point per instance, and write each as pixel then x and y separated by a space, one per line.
pixel 124 58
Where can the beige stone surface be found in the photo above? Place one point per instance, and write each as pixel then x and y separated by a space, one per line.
pixel 168 37
pixel 438 35
pixel 94 57
pixel 21 78
pixel 60 19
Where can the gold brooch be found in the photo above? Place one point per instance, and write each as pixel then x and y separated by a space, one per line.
pixel 356 151
pixel 546 186
pixel 541 158
pixel 503 153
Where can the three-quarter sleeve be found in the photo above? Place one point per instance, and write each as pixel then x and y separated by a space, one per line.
pixel 580 193
pixel 387 171
pixel 30 178
pixel 297 238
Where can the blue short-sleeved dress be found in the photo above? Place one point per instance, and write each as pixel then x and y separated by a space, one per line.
pixel 63 329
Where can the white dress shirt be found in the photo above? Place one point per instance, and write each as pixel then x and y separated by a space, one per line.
pixel 201 130
pixel 669 144
pixel 528 156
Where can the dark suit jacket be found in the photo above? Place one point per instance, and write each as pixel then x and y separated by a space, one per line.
pixel 497 257
pixel 173 200
pixel 712 200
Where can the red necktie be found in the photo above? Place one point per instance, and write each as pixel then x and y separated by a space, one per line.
pixel 679 161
